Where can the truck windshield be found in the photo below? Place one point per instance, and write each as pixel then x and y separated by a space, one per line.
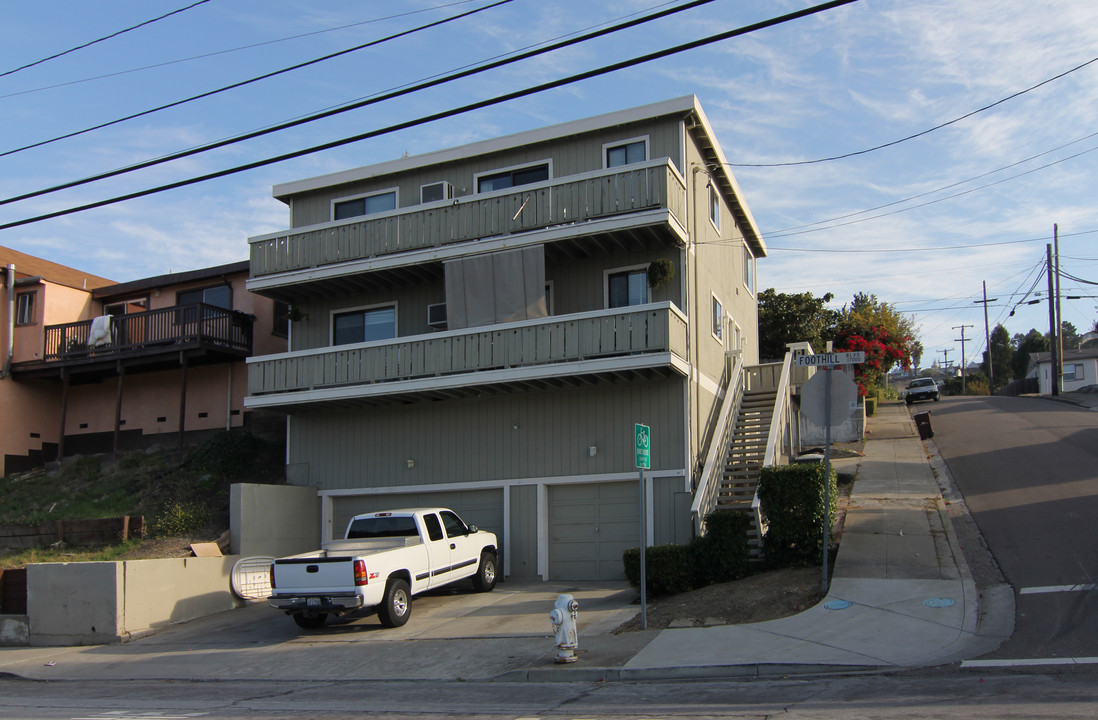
pixel 382 527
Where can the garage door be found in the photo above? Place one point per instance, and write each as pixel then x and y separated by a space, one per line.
pixel 589 528
pixel 483 508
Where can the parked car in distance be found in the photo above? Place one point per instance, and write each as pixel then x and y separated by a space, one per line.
pixel 922 389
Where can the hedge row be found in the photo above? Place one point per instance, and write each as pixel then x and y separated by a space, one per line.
pixel 721 555
pixel 792 497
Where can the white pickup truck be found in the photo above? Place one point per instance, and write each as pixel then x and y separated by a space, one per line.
pixel 384 559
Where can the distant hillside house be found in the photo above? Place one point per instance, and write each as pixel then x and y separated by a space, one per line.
pixel 1080 369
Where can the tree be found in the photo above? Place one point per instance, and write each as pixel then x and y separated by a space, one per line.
pixel 1025 345
pixel 885 336
pixel 1002 355
pixel 786 318
pixel 1069 336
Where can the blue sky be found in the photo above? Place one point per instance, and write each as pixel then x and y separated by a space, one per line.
pixel 921 223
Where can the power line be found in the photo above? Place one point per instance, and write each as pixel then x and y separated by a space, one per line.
pixel 423 120
pixel 227 51
pixel 924 132
pixel 105 37
pixel 439 80
pixel 265 76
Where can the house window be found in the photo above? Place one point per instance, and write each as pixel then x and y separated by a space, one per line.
pixel 1073 372
pixel 715 207
pixel 718 319
pixel 748 269
pixel 24 309
pixel 435 192
pixel 364 325
pixel 512 177
pixel 626 153
pixel 627 287
pixel 281 324
pixel 364 205
pixel 218 295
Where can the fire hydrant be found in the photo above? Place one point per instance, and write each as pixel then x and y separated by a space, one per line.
pixel 563 618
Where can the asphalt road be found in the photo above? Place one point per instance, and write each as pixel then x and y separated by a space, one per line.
pixel 1028 470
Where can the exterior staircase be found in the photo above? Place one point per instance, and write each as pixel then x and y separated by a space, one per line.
pixel 744 459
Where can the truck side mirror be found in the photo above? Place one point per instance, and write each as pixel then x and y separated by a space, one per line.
pixel 473 528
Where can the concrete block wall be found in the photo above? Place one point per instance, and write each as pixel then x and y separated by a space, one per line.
pixel 97 603
pixel 273 520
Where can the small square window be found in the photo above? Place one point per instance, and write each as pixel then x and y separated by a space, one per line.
pixel 512 178
pixel 715 207
pixel 627 288
pixel 748 269
pixel 357 326
pixel 718 319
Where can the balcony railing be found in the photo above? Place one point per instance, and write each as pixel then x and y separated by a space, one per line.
pixel 658 328
pixel 197 324
pixel 576 198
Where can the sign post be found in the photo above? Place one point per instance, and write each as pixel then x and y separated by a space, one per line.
pixel 831 416
pixel 643 437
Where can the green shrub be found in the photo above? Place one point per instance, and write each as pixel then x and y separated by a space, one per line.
pixel 230 455
pixel 667 568
pixel 792 497
pixel 180 517
pixel 721 555
pixel 870 406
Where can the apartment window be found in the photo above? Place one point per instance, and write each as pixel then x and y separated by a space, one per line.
pixel 748 269
pixel 1073 372
pixel 364 205
pixel 626 153
pixel 24 309
pixel 718 319
pixel 627 287
pixel 715 207
pixel 364 325
pixel 218 295
pixel 434 192
pixel 512 177
pixel 281 325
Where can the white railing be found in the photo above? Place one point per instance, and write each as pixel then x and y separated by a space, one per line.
pixel 709 484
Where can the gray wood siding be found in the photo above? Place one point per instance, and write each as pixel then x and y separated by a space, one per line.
pixel 523 540
pixel 519 435
pixel 671 519
pixel 569 156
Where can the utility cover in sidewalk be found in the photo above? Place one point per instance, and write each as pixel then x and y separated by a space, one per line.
pixel 838 605
pixel 940 602
pixel 844 398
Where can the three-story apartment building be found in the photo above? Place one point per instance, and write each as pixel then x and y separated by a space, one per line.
pixel 482 327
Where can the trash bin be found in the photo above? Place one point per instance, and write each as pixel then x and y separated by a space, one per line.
pixel 922 422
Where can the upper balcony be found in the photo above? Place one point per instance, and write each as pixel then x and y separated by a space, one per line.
pixel 145 341
pixel 606 345
pixel 625 200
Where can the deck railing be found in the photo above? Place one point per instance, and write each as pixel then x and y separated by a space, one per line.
pixel 572 199
pixel 636 331
pixel 195 323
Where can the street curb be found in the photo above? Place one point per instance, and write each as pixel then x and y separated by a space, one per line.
pixel 703 672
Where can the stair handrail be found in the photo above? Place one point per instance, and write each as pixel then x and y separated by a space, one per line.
pixel 778 420
pixel 706 493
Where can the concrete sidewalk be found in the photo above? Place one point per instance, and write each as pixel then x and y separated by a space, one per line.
pixel 901 596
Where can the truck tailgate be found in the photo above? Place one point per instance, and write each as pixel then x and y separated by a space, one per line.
pixel 315 575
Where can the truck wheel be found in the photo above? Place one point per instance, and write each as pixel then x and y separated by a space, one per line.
pixel 485 579
pixel 310 622
pixel 396 608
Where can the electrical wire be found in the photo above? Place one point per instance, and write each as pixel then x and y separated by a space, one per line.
pixel 265 76
pixel 423 85
pixel 105 37
pixel 423 120
pixel 924 132
pixel 228 51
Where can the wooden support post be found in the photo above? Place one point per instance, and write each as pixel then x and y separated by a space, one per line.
pixel 182 396
pixel 64 409
pixel 118 408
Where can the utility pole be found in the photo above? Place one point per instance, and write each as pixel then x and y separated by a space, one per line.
pixel 945 358
pixel 1054 329
pixel 1059 317
pixel 987 341
pixel 963 356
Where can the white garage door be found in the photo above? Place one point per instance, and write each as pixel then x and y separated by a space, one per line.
pixel 589 528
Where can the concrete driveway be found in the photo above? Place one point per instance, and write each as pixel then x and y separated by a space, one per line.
pixel 452 634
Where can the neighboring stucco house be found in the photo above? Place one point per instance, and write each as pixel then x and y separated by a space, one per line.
pixel 1080 369
pixel 482 327
pixel 98 366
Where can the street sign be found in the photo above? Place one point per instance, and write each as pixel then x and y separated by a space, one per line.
pixel 644 446
pixel 831 359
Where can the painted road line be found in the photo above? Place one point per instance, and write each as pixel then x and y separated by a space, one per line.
pixel 1057 588
pixel 1027 662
